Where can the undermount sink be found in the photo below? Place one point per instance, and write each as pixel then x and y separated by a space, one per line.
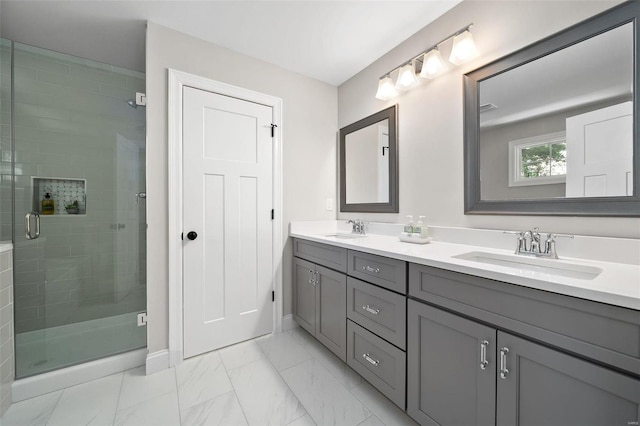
pixel 534 264
pixel 345 236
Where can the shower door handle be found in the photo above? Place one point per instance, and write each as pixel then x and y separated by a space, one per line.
pixel 27 225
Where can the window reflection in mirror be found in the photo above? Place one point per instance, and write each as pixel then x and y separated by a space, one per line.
pixel 367 154
pixel 561 126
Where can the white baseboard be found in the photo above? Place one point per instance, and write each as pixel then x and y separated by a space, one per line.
pixel 288 322
pixel 157 361
pixel 70 376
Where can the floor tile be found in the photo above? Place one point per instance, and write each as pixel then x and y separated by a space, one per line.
pixel 373 421
pixel 305 420
pixel 137 387
pixel 34 412
pixel 338 368
pixel 224 411
pixel 92 403
pixel 159 411
pixel 326 399
pixel 200 379
pixel 263 395
pixel 383 408
pixel 283 350
pixel 240 354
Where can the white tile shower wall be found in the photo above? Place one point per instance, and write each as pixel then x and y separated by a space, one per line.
pixel 73 122
pixel 6 204
pixel 6 330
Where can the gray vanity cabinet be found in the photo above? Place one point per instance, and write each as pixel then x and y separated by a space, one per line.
pixel 320 294
pixel 446 384
pixel 544 386
pixel 466 366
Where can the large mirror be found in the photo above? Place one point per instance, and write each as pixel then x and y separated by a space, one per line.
pixel 552 128
pixel 369 164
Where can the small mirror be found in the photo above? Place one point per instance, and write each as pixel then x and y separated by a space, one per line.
pixel 368 164
pixel 550 129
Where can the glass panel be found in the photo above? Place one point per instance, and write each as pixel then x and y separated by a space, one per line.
pixel 6 199
pixel 79 163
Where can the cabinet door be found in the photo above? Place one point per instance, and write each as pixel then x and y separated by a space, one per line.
pixel 446 384
pixel 304 294
pixel 331 306
pixel 547 387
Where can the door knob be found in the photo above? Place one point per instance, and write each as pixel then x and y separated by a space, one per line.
pixel 192 235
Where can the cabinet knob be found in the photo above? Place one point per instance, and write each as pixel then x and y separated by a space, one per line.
pixel 192 235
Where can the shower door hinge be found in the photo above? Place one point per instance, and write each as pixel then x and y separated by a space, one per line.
pixel 141 99
pixel 142 319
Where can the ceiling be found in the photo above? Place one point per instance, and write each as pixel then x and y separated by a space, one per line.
pixel 327 40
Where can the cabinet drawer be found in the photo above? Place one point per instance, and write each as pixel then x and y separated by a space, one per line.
pixel 379 362
pixel 378 310
pixel 383 271
pixel 609 334
pixel 322 254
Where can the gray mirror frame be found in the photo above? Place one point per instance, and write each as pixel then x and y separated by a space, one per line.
pixel 392 206
pixel 628 12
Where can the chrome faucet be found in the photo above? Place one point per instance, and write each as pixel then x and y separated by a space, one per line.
pixel 358 227
pixel 529 243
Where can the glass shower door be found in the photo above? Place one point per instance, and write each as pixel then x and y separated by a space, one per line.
pixel 79 162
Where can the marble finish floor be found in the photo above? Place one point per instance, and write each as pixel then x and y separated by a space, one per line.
pixel 283 379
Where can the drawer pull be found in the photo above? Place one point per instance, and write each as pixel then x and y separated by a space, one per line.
pixel 370 360
pixel 370 269
pixel 504 371
pixel 371 310
pixel 483 354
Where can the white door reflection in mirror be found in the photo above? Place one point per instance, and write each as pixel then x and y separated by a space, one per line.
pixel 599 152
pixel 367 154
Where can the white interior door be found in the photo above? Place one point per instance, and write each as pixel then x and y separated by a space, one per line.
pixel 600 152
pixel 227 201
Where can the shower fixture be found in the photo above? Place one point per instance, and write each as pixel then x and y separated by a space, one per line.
pixel 140 100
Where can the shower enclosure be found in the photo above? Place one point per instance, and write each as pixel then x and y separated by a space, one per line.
pixel 73 156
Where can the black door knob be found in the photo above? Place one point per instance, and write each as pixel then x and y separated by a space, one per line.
pixel 192 235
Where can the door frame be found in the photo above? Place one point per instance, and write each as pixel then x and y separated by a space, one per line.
pixel 176 81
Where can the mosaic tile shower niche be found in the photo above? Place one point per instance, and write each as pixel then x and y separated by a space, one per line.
pixel 63 192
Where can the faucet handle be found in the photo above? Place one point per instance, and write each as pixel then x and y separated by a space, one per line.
pixel 550 244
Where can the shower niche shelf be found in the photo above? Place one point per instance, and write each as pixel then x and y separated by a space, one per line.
pixel 64 192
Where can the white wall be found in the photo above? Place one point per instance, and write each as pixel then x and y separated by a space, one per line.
pixel 430 124
pixel 308 140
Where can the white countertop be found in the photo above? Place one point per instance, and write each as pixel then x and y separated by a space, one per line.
pixel 618 283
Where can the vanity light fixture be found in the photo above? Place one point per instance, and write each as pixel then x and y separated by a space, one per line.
pixel 431 62
pixel 386 89
pixel 464 48
pixel 406 77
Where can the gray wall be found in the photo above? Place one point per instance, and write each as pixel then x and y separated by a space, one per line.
pixel 308 141
pixel 430 124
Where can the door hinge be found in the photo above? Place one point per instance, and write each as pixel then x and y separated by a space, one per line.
pixel 182 236
pixel 142 319
pixel 273 296
pixel 273 129
pixel 141 99
pixel 273 214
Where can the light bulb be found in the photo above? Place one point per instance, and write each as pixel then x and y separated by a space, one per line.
pixel 432 64
pixel 386 89
pixel 406 77
pixel 464 48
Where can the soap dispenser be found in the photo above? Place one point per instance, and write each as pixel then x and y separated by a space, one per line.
pixel 421 228
pixel 48 205
pixel 408 228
